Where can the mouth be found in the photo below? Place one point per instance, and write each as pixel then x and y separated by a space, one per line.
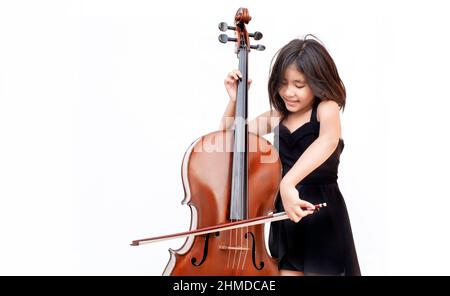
pixel 291 102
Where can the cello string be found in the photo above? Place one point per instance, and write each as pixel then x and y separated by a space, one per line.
pixel 239 246
pixel 235 251
pixel 246 249
pixel 246 230
pixel 235 232
pixel 240 249
pixel 246 195
pixel 230 233
pixel 241 236
pixel 241 209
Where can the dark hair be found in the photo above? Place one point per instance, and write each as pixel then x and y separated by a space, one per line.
pixel 314 61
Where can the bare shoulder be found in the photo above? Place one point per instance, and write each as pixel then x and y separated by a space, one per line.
pixel 328 110
pixel 328 115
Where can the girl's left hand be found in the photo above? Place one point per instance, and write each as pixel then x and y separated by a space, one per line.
pixel 293 204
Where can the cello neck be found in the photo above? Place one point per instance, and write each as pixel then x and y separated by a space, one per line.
pixel 239 191
pixel 242 89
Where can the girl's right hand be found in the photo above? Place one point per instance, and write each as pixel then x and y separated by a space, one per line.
pixel 231 83
pixel 293 205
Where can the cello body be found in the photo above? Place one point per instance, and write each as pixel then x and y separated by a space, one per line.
pixel 206 177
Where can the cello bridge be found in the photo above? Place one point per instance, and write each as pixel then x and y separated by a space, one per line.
pixel 224 247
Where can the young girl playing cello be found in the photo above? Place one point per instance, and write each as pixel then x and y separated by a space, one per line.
pixel 306 95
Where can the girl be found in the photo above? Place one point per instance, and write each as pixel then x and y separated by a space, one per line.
pixel 306 93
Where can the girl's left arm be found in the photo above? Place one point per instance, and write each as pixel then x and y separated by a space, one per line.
pixel 321 149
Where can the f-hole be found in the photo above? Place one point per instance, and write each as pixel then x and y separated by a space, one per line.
pixel 205 253
pixel 261 264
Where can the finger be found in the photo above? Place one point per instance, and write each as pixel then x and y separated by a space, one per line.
pixel 290 217
pixel 293 217
pixel 307 204
pixel 232 75
pixel 296 219
pixel 238 72
pixel 229 81
pixel 308 213
pixel 299 212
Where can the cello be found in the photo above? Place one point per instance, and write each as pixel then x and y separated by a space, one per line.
pixel 231 179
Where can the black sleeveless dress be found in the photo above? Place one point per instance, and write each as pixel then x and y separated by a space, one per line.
pixel 321 243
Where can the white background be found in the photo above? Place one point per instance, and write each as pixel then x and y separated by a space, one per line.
pixel 100 99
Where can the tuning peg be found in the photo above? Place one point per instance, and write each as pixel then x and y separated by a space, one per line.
pixel 223 26
pixel 259 47
pixel 223 38
pixel 257 35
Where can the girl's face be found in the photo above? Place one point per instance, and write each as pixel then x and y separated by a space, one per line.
pixel 295 92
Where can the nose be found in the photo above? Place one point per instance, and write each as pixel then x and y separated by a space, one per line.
pixel 289 92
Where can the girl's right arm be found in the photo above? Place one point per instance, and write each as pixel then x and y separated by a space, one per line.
pixel 261 125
